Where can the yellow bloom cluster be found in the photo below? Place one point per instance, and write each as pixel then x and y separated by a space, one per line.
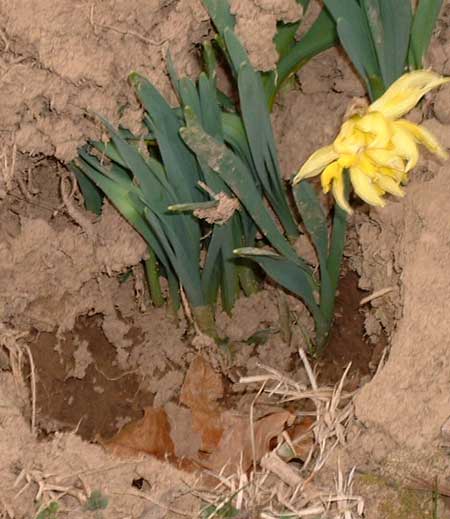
pixel 378 148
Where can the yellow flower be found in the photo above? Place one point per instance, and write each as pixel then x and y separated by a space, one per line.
pixel 377 148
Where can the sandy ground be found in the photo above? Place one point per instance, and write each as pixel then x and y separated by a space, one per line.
pixel 61 61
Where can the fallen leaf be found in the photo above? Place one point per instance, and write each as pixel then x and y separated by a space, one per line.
pixel 202 386
pixel 235 447
pixel 187 442
pixel 201 389
pixel 302 439
pixel 150 434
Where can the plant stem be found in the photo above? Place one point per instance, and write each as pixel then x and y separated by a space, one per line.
pixel 152 272
pixel 205 320
pixel 248 279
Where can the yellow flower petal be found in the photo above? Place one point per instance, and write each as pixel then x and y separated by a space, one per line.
pixel 316 163
pixel 376 124
pixel 350 140
pixel 367 165
pixel 389 185
pixel 397 174
pixel 386 157
pixel 423 136
pixel 406 92
pixel 347 159
pixel 338 191
pixel 405 146
pixel 365 188
pixel 331 172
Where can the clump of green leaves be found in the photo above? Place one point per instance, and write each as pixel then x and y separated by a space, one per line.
pixel 159 182
pixel 384 37
pixel 50 512
pixel 262 194
pixel 96 502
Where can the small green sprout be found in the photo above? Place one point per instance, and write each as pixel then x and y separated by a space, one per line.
pixel 96 501
pixel 227 511
pixel 50 512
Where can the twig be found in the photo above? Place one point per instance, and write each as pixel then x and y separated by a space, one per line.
pixel 33 389
pixel 79 218
pixel 378 293
pixel 252 425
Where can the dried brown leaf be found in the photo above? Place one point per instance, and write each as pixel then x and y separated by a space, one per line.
pixel 235 447
pixel 302 440
pixel 149 435
pixel 202 387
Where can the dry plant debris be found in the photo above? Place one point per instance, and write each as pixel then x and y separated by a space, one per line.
pixel 10 342
pixel 265 462
pixel 282 489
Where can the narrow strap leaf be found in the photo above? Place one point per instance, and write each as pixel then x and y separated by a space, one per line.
pixel 319 37
pixel 425 17
pixel 287 274
pixel 390 25
pixel 315 222
pixel 354 34
pixel 219 12
pixel 93 197
pixel 234 172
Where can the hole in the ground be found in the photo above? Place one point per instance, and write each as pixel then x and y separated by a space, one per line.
pixel 348 342
pixel 101 401
pixel 106 397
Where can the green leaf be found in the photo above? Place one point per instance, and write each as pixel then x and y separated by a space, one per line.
pixel 313 216
pixel 258 128
pixel 229 288
pixel 224 271
pixel 319 37
pixel 210 109
pixel 390 25
pixel 236 175
pixel 189 96
pixel 219 12
pixel 211 275
pixel 236 138
pixel 189 207
pixel 175 80
pixel 50 512
pixel 354 34
pixel 119 195
pixel 315 222
pixel 424 21
pixel 185 261
pixel 181 167
pixel 134 162
pixel 209 60
pixel 337 244
pixel 96 501
pixel 287 274
pixel 285 37
pixel 93 197
pixel 259 131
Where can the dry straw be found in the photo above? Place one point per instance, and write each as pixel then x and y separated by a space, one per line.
pixel 280 489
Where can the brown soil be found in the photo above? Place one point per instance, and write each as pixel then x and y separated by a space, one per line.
pixel 102 353
pixel 82 387
pixel 97 400
pixel 348 341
